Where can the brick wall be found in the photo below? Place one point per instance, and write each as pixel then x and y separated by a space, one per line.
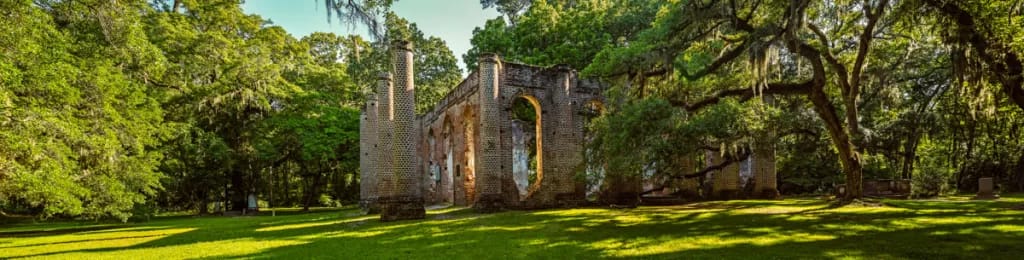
pixel 765 184
pixel 725 182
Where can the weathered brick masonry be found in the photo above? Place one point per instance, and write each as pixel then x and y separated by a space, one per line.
pixel 463 147
pixel 461 152
pixel 399 191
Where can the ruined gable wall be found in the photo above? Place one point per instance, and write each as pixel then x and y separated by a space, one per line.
pixel 448 122
pixel 561 95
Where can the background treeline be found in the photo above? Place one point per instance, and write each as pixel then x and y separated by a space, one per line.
pixel 120 108
pixel 928 90
pixel 114 108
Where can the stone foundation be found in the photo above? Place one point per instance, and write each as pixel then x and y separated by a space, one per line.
pixel 622 199
pixel 570 200
pixel 726 195
pixel 622 191
pixel 765 185
pixel 688 194
pixel 725 182
pixel 687 188
pixel 489 203
pixel 369 206
pixel 886 188
pixel 768 194
pixel 401 208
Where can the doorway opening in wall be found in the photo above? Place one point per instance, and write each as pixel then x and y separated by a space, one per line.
pixel 435 186
pixel 595 173
pixel 527 145
pixel 448 182
pixel 469 157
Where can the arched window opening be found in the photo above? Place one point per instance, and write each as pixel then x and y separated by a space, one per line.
pixel 527 146
pixel 433 169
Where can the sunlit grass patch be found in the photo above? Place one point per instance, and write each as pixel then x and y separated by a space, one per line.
pixel 792 228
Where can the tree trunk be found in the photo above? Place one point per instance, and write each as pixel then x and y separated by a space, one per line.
pixel 910 152
pixel 1020 173
pixel 307 193
pixel 848 156
pixel 270 204
pixel 964 183
pixel 287 186
pixel 203 211
pixel 237 195
pixel 911 156
pixel 314 188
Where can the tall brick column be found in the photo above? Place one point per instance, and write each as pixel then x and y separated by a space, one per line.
pixel 564 153
pixel 725 182
pixel 364 149
pixel 384 174
pixel 403 199
pixel 765 185
pixel 688 187
pixel 488 172
pixel 622 191
pixel 368 154
pixel 765 182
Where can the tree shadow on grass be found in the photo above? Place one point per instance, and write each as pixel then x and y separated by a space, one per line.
pixel 968 206
pixel 54 232
pixel 590 238
pixel 80 241
pixel 712 230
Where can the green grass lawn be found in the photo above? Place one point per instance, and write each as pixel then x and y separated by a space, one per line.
pixel 793 228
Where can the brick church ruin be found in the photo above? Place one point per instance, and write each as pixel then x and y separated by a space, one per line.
pixel 472 150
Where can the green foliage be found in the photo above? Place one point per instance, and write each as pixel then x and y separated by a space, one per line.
pixel 363 12
pixel 651 130
pixel 322 131
pixel 115 108
pixel 436 70
pixel 554 32
pixel 523 110
pixel 916 78
pixel 325 200
pixel 512 9
pixel 933 175
pixel 77 122
pixel 195 161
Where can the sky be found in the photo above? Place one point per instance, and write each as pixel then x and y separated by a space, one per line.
pixel 451 20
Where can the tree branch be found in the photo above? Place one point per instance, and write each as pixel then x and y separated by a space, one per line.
pixel 841 71
pixel 1009 71
pixel 721 60
pixel 728 160
pixel 865 43
pixel 745 94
